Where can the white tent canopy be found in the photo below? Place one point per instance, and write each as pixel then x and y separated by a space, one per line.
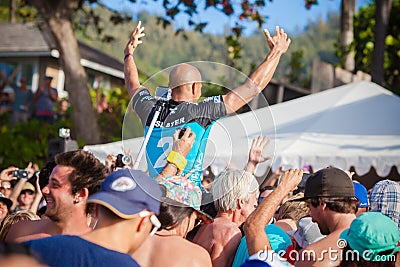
pixel 351 125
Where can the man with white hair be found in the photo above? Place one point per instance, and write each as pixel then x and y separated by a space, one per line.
pixel 235 194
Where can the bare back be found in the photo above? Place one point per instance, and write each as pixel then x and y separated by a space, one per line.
pixel 220 239
pixel 327 251
pixel 171 251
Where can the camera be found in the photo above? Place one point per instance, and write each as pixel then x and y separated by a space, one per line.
pixel 20 173
pixel 302 185
pixel 162 93
pixel 181 132
pixel 64 133
pixel 122 161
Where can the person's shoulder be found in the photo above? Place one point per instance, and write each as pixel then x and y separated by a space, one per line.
pixel 22 228
pixel 224 226
pixel 321 253
pixel 142 95
pixel 199 255
pixel 27 230
pixel 213 99
pixel 142 92
pixel 202 257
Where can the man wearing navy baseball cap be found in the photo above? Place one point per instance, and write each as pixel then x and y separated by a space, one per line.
pixel 126 206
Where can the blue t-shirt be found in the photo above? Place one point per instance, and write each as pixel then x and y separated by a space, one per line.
pixel 23 100
pixel 69 251
pixel 198 116
pixel 44 102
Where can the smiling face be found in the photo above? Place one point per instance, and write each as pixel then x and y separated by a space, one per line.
pixel 58 194
pixel 26 198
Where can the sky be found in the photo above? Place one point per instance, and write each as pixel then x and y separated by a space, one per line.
pixel 291 15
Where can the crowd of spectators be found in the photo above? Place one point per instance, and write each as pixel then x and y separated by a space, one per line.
pixel 105 216
pixel 19 103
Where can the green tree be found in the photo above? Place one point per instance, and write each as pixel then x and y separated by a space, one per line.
pixel 364 32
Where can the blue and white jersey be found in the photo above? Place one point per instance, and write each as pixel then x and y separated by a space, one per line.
pixel 176 115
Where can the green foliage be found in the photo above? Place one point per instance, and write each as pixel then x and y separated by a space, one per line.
pixel 364 23
pixel 23 12
pixel 296 69
pixel 111 121
pixel 26 142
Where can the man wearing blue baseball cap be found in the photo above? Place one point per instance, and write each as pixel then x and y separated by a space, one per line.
pixel 126 206
pixel 361 194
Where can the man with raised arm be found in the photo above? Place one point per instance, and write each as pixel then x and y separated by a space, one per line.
pixel 183 110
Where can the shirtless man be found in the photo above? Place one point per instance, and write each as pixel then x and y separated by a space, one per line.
pixel 77 175
pixel 235 194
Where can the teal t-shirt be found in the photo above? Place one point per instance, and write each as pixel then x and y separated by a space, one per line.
pixel 278 239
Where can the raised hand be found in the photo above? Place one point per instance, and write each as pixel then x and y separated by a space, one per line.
pixel 257 147
pixel 291 178
pixel 280 41
pixel 256 156
pixel 185 143
pixel 135 40
pixel 31 169
pixel 6 174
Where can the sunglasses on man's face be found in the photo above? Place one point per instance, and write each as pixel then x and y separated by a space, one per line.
pixel 29 192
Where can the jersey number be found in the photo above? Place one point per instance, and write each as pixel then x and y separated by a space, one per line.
pixel 162 159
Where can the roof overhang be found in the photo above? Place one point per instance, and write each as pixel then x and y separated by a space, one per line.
pixel 55 54
pixel 99 67
pixel 26 54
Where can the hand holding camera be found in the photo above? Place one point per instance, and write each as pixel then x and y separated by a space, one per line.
pixel 7 174
pixel 20 174
pixel 114 162
pixel 183 141
pixel 122 161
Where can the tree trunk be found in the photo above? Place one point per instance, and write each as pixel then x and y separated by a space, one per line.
pixel 347 34
pixel 382 14
pixel 83 116
pixel 11 16
pixel 57 15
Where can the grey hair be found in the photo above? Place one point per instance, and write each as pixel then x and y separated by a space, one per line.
pixel 232 185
